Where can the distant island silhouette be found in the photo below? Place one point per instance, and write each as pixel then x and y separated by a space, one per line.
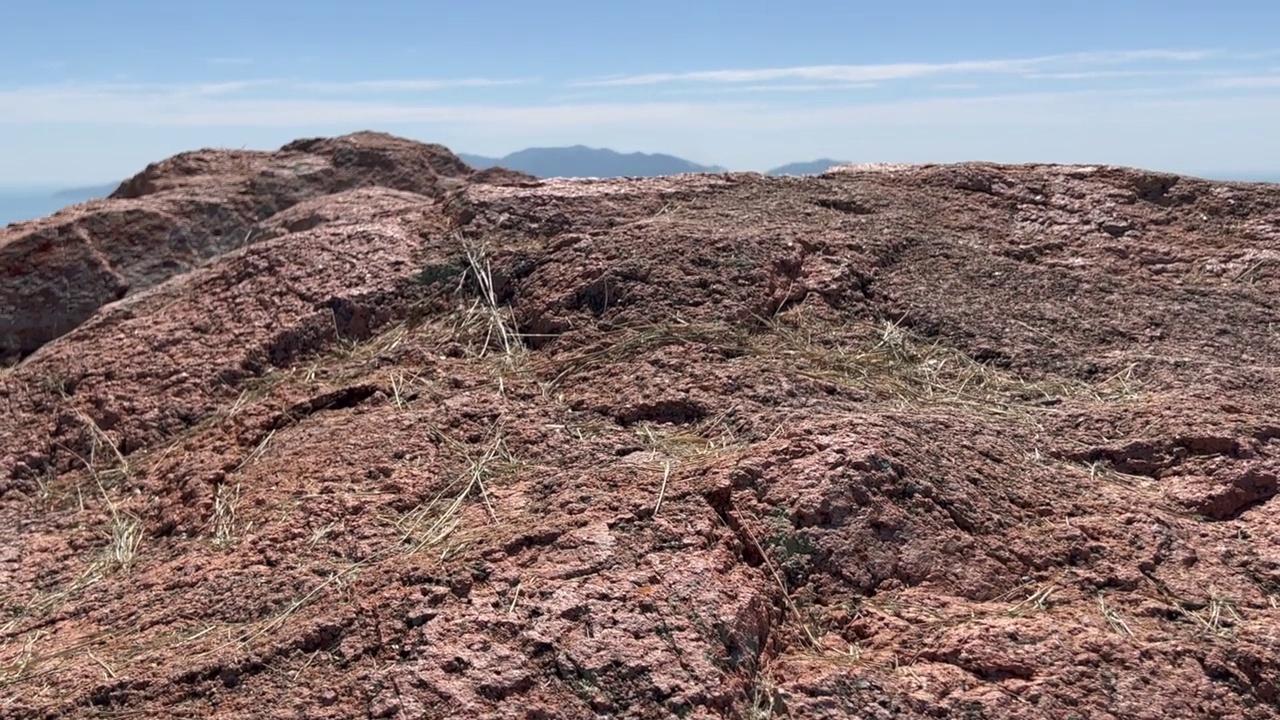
pixel 87 192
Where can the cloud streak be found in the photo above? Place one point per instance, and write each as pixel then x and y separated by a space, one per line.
pixel 223 105
pixel 776 88
pixel 900 71
pixel 766 98
pixel 1254 82
pixel 410 85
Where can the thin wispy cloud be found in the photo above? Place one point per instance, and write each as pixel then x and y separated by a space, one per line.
pixel 232 87
pixel 1254 82
pixel 774 99
pixel 205 105
pixel 410 85
pixel 784 88
pixel 1110 74
pixel 283 88
pixel 901 71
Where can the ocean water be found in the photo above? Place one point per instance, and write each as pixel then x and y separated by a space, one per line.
pixel 16 206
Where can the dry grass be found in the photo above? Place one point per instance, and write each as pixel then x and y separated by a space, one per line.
pixel 30 664
pixel 629 342
pixel 882 359
pixel 692 445
pixel 500 329
pixel 1112 618
pixel 662 490
pixel 1035 602
pixel 400 389
pixel 1218 617
pixel 256 453
pixel 429 525
pixel 897 366
pixel 105 468
pixel 126 537
pixel 225 499
pixel 767 701
pixel 124 533
pixel 45 494
pixel 22 665
pixel 432 522
pixel 671 447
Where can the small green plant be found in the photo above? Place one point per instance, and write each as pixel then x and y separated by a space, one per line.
pixel 444 273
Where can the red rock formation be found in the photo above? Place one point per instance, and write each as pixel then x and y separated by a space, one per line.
pixel 935 441
pixel 179 213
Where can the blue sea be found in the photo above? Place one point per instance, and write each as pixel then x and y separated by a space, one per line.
pixel 15 206
pixel 18 204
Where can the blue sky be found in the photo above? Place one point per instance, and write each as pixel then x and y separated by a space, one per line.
pixel 91 91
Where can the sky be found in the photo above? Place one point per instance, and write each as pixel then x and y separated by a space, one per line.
pixel 92 91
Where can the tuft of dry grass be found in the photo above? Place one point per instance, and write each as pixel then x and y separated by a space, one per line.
pixel 499 328
pixel 21 666
pixel 399 390
pixel 225 499
pixel 126 536
pixel 1218 616
pixel 432 522
pixel 767 701
pixel 695 444
pixel 1112 618
pixel 1035 602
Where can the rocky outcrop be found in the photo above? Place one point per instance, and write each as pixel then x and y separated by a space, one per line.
pixel 181 212
pixel 925 441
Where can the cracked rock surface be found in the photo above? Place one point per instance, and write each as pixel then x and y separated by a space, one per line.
pixel 896 441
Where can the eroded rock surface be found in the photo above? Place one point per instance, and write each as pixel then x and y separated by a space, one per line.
pixel 924 441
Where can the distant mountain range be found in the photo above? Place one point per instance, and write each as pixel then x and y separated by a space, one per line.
pixel 583 161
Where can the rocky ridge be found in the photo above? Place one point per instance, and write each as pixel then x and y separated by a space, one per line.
pixel 350 430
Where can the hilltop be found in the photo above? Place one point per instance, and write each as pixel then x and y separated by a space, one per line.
pixel 356 429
